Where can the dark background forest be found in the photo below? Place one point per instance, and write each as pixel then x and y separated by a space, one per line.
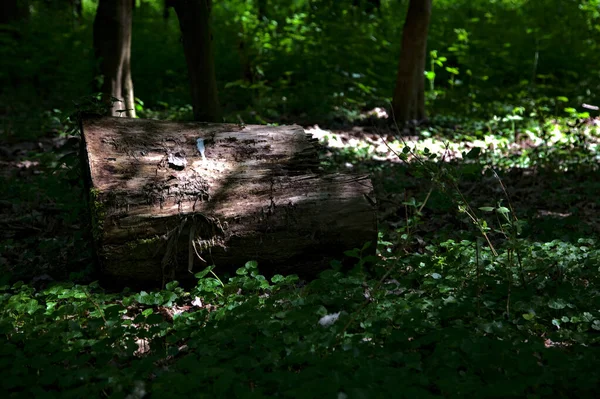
pixel 484 278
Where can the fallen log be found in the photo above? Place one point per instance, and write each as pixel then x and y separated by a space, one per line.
pixel 167 199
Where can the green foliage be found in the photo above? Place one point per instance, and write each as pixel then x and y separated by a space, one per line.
pixel 487 309
pixel 436 327
pixel 319 60
pixel 477 290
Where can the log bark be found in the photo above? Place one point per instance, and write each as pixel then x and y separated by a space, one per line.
pixel 409 95
pixel 169 199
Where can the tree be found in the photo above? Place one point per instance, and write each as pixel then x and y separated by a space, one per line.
pixel 194 22
pixel 409 95
pixel 261 6
pixel 77 9
pixel 12 11
pixel 166 6
pixel 112 46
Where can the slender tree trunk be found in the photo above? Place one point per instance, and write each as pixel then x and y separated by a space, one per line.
pixel 261 6
pixel 127 87
pixel 194 22
pixel 166 6
pixel 409 94
pixel 112 45
pixel 247 72
pixel 77 9
pixel 13 11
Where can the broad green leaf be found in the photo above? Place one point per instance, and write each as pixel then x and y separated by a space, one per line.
pixel 154 318
pixel 204 272
pixel 473 153
pixel 557 304
pixel 147 312
pixel 252 264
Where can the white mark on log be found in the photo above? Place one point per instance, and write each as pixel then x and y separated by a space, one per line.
pixel 201 149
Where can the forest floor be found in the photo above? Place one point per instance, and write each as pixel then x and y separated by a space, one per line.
pixel 43 200
pixel 555 201
pixel 485 284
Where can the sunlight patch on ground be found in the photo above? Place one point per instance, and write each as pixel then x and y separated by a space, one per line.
pixel 382 148
pixel 544 213
pixel 386 145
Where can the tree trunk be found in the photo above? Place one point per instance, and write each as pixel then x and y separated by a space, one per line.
pixel 169 198
pixel 166 8
pixel 112 46
pixel 13 11
pixel 261 6
pixel 409 95
pixel 77 10
pixel 127 88
pixel 194 22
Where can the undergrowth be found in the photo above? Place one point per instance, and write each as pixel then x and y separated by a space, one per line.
pixel 479 306
pixel 454 321
pixel 486 275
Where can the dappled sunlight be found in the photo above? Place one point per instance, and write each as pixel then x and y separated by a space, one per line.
pixel 449 248
pixel 383 144
pixel 545 213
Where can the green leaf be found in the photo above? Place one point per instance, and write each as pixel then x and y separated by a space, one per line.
pixel 473 153
pixel 557 304
pixel 148 299
pixel 32 306
pixel 252 264
pixel 154 318
pixel 502 210
pixel 471 169
pixel 147 312
pixel 353 253
pixel 528 316
pixel 487 208
pixel 168 298
pixel 204 272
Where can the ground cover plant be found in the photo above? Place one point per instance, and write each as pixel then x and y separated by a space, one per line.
pixel 485 278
